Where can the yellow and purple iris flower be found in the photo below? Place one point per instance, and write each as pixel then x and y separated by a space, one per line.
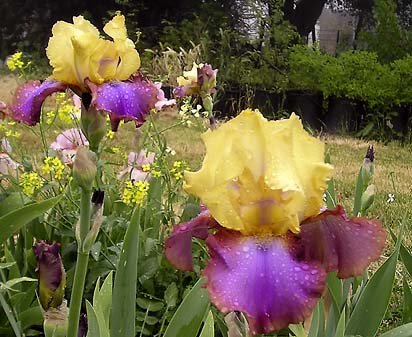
pixel 271 247
pixel 200 80
pixel 88 64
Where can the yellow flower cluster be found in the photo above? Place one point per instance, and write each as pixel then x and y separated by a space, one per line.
pixel 6 127
pixel 53 165
pixel 110 134
pixel 135 192
pixel 66 111
pixel 15 62
pixel 153 169
pixel 30 182
pixel 178 169
pixel 146 167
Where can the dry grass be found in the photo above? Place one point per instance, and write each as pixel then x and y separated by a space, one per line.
pixel 8 84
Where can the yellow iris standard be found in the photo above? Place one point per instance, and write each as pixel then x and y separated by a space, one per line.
pixel 261 177
pixel 76 52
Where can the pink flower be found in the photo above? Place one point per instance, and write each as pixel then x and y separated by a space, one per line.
pixel 67 143
pixel 7 165
pixel 135 163
pixel 162 101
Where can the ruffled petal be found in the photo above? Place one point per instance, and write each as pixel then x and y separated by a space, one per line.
pixel 29 98
pixel 344 245
pixel 178 246
pixel 261 278
pixel 129 100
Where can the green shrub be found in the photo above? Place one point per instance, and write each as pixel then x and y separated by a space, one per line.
pixel 306 67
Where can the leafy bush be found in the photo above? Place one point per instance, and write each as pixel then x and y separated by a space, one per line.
pixel 401 70
pixel 306 68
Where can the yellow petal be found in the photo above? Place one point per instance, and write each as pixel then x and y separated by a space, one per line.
pixel 73 51
pixel 125 48
pixel 261 177
pixel 116 28
pixel 129 59
pixel 189 77
pixel 76 52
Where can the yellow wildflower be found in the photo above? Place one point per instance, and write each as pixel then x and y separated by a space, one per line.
pixel 156 173
pixel 146 167
pixel 30 182
pixel 135 192
pixel 15 62
pixel 54 166
pixel 110 134
pixel 178 168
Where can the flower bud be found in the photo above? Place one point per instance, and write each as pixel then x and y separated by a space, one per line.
pixel 93 124
pixel 55 321
pixel 51 274
pixel 367 166
pixel 84 168
pixel 207 102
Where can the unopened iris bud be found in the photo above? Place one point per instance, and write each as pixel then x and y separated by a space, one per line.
pixel 51 274
pixel 207 102
pixel 84 168
pixel 367 166
pixel 93 123
pixel 55 321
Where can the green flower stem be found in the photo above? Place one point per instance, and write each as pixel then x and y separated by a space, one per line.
pixel 81 265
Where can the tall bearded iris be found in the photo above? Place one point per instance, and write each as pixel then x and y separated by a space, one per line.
pixel 88 64
pixel 262 184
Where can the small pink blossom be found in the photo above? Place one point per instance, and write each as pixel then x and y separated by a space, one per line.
pixel 135 164
pixel 67 143
pixel 7 165
pixel 162 101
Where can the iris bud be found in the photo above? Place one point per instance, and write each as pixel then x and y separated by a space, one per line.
pixel 84 168
pixel 93 124
pixel 51 274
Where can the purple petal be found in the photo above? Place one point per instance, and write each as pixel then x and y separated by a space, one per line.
pixel 344 245
pixel 181 91
pixel 261 277
pixel 178 246
pixel 29 98
pixel 206 78
pixel 128 100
